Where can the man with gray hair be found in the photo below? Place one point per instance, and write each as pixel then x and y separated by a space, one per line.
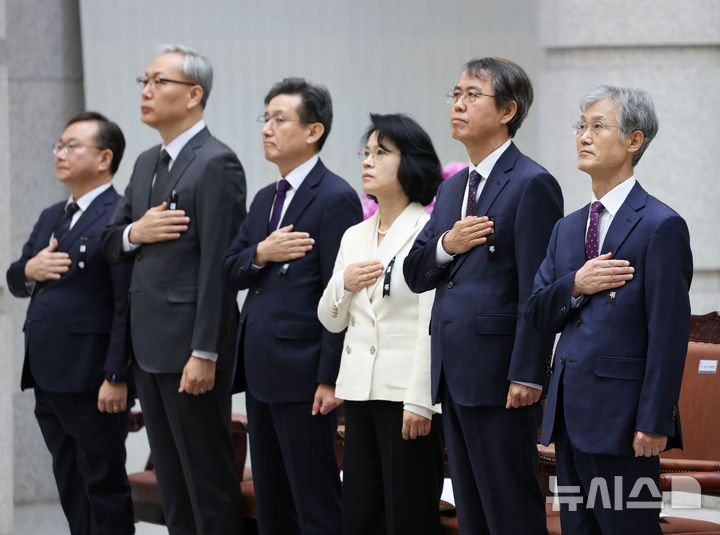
pixel 184 203
pixel 615 284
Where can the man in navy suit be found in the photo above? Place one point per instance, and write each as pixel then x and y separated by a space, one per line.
pixel 480 251
pixel 624 316
pixel 75 358
pixel 284 255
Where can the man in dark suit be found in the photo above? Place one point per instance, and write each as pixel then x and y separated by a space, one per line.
pixel 479 251
pixel 75 356
pixel 624 316
pixel 184 202
pixel 284 254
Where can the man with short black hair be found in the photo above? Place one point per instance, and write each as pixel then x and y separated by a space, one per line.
pixel 75 358
pixel 615 284
pixel 479 251
pixel 284 254
pixel 184 202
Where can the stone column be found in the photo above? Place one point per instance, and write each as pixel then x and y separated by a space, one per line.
pixel 672 50
pixel 40 88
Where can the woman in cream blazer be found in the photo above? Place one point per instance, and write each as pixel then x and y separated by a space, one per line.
pixel 392 475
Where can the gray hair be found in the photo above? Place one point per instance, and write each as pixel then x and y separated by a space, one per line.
pixel 195 67
pixel 636 111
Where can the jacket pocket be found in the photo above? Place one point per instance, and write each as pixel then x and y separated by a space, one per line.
pixel 182 294
pixel 298 329
pixel 495 323
pixel 620 367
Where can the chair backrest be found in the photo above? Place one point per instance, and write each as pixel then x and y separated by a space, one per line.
pixel 700 392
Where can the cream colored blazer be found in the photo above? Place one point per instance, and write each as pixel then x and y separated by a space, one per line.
pixel 386 353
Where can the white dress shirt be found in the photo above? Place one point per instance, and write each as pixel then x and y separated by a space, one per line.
pixel 83 203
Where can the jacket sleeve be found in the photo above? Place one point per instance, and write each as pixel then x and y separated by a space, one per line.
pixel 668 274
pixel 112 234
pixel 117 358
pixel 420 268
pixel 540 207
pixel 550 303
pixel 341 213
pixel 419 389
pixel 16 272
pixel 237 270
pixel 220 200
pixel 334 305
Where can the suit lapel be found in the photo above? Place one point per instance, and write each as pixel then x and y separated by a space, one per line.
pixel 184 159
pixel 96 209
pixel 143 183
pixel 399 234
pixel 304 195
pixel 625 220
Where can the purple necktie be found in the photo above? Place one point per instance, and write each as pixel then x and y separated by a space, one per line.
pixel 282 188
pixel 475 179
pixel 592 239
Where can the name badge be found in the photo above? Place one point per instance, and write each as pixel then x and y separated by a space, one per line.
pixel 708 366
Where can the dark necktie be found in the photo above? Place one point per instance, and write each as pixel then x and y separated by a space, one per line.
pixel 282 188
pixel 475 179
pixel 161 172
pixel 592 240
pixel 63 224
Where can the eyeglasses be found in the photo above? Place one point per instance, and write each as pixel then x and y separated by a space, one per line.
pixel 276 120
pixel 596 127
pixel 377 154
pixel 71 146
pixel 470 97
pixel 158 83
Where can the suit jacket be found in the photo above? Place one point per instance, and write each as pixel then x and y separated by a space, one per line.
pixel 176 293
pixel 386 351
pixel 621 354
pixel 284 350
pixel 75 326
pixel 480 338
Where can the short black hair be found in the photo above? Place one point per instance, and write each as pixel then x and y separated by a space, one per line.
pixel 510 83
pixel 109 135
pixel 316 106
pixel 420 171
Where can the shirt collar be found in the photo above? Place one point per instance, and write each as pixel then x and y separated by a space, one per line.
pixel 176 145
pixel 85 201
pixel 298 175
pixel 614 198
pixel 485 167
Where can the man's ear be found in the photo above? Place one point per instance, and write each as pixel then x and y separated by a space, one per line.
pixel 634 140
pixel 106 158
pixel 315 132
pixel 508 112
pixel 195 94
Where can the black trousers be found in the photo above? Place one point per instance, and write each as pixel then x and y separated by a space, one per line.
pixel 88 457
pixel 193 453
pixel 295 472
pixel 391 486
pixel 615 492
pixel 494 467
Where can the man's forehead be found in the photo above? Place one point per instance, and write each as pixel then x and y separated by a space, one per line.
pixel 165 64
pixel 284 103
pixel 78 130
pixel 472 80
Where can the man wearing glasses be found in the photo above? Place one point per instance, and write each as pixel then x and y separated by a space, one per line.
pixel 184 202
pixel 480 250
pixel 75 358
pixel 615 284
pixel 284 255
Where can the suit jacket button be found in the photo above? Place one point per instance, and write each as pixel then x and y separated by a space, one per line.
pixel 372 350
pixel 562 360
pixel 138 257
pixel 41 291
pixel 348 350
pixel 450 284
pixel 258 291
pixel 577 322
pixel 562 311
